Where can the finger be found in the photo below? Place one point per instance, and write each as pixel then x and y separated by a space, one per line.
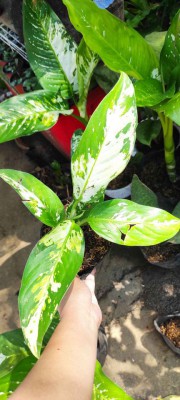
pixel 90 282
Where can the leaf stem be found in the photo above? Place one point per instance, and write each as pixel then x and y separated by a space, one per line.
pixel 169 148
pixel 82 120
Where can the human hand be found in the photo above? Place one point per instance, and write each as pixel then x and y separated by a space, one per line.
pixel 80 302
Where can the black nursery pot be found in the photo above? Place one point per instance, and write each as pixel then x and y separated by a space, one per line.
pixel 155 255
pixel 164 319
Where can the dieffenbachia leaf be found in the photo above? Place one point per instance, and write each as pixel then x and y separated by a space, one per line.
pixel 141 194
pixel 86 62
pixel 41 201
pixel 150 92
pixel 176 213
pixel 50 269
pixel 171 108
pixel 12 350
pixel 156 41
pixel 29 113
pixel 106 145
pixel 119 46
pixel 16 359
pixel 170 54
pixel 131 224
pixel 51 50
pixel 148 130
pixel 76 137
pixel 105 389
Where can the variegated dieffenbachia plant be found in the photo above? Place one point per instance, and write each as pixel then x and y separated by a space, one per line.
pixel 98 156
pixel 154 65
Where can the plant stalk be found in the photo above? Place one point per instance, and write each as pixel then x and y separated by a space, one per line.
pixel 169 148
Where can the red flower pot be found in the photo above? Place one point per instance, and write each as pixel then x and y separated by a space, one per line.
pixel 60 134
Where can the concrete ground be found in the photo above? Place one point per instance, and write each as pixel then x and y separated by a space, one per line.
pixel 130 292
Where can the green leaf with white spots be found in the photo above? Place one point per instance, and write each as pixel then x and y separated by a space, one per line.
pixel 28 113
pixel 171 108
pixel 77 135
pixel 10 382
pixel 120 47
pixel 105 389
pixel 12 350
pixel 16 359
pixel 86 62
pixel 170 54
pixel 50 269
pixel 51 50
pixel 106 145
pixel 131 224
pixel 41 201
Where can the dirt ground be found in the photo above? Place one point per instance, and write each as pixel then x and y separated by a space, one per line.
pixel 130 292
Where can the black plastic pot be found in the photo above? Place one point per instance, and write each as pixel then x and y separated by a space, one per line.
pixel 172 262
pixel 158 322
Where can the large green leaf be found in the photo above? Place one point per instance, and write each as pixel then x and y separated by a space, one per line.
pixel 170 54
pixel 50 269
pixel 41 201
pixel 106 145
pixel 150 92
pixel 131 224
pixel 51 50
pixel 120 47
pixel 171 108
pixel 29 113
pixel 86 62
pixel 105 389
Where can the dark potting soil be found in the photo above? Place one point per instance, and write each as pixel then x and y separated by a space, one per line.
pixel 171 329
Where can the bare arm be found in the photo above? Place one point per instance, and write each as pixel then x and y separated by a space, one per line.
pixel 66 368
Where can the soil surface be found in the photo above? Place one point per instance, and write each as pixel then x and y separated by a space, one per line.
pixel 171 329
pixel 161 253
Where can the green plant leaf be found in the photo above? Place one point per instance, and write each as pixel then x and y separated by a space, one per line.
pixel 12 350
pixel 50 269
pixel 16 359
pixel 170 54
pixel 171 108
pixel 119 46
pixel 149 92
pixel 105 389
pixel 156 40
pixel 86 62
pixel 176 213
pixel 131 224
pixel 51 50
pixel 106 144
pixel 77 135
pixel 10 382
pixel 147 131
pixel 105 77
pixel 41 201
pixel 141 194
pixel 29 113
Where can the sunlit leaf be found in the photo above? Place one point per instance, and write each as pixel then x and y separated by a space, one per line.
pixel 105 389
pixel 28 113
pixel 119 46
pixel 106 144
pixel 131 224
pixel 150 92
pixel 171 108
pixel 41 201
pixel 50 269
pixel 51 50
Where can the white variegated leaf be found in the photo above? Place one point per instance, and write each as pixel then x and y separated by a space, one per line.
pixel 128 223
pixel 31 112
pixel 86 62
pixel 50 269
pixel 40 200
pixel 106 144
pixel 51 50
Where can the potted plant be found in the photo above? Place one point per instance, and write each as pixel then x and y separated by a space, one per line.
pixel 168 326
pixel 110 131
